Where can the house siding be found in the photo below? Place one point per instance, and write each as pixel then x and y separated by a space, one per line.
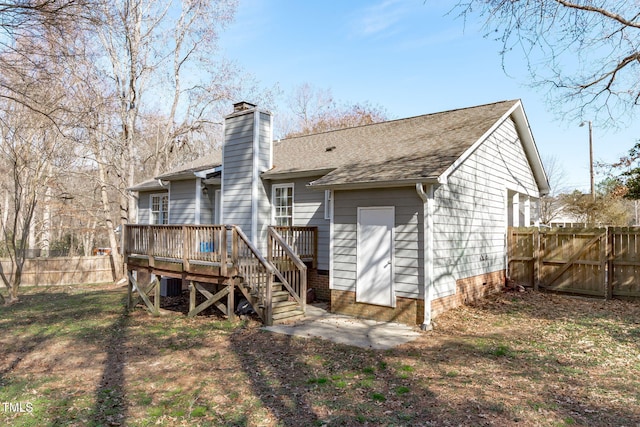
pixel 308 211
pixel 207 203
pixel 144 207
pixel 471 210
pixel 245 197
pixel 182 202
pixel 237 171
pixel 408 240
pixel 144 198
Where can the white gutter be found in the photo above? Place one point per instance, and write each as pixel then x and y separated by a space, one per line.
pixel 427 212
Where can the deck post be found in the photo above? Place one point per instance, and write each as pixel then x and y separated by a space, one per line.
pixel 230 301
pixel 150 249
pixel 129 291
pixel 268 303
pixel 186 244
pixel 234 245
pixel 192 296
pixel 223 252
pixel 315 250
pixel 303 289
pixel 156 296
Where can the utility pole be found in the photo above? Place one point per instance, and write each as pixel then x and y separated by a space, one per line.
pixel 593 185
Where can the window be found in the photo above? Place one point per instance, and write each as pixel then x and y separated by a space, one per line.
pixel 283 204
pixel 159 209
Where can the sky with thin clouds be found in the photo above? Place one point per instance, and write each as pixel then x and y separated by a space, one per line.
pixel 411 57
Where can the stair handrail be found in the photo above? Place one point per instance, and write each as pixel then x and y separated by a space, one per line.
pixel 271 271
pixel 301 297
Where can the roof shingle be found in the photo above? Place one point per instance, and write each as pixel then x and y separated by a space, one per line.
pixel 415 148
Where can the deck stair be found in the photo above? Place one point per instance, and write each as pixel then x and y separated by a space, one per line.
pixel 284 308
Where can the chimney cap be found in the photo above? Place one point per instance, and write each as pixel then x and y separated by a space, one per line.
pixel 243 106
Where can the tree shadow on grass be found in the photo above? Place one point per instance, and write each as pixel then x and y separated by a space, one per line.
pixel 268 368
pixel 110 406
pixel 59 331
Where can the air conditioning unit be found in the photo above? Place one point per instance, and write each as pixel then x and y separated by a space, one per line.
pixel 170 287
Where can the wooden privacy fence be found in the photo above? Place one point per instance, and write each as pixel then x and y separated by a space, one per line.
pixel 63 271
pixel 597 261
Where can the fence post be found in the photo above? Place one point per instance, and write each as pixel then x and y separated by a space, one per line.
pixel 536 259
pixel 608 293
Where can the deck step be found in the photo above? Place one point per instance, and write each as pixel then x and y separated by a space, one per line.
pixel 288 316
pixel 279 296
pixel 284 306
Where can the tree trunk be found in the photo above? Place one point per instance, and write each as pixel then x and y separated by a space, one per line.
pixel 46 224
pixel 106 208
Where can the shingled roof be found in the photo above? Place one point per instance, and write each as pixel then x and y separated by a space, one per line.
pixel 209 161
pixel 413 149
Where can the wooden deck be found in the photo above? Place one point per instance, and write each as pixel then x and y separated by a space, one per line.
pixel 203 255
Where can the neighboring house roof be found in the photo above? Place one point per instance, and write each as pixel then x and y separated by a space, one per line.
pixel 417 149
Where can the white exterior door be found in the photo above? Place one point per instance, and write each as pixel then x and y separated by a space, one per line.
pixel 375 256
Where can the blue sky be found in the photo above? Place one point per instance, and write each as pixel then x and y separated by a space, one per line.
pixel 409 57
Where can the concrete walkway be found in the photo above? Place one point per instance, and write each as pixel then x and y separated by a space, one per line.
pixel 348 330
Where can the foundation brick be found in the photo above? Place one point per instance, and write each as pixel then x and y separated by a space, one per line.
pixel 318 280
pixel 411 311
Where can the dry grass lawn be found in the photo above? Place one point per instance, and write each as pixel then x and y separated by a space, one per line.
pixel 71 356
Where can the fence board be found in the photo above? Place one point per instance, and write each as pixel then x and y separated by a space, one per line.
pixel 625 246
pixel 521 255
pixel 603 261
pixel 63 271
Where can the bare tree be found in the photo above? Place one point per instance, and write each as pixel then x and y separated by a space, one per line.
pixel 34 35
pixel 315 110
pixel 585 52
pixel 550 204
pixel 28 147
pixel 143 42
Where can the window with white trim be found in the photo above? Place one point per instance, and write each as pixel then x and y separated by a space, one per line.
pixel 159 209
pixel 282 201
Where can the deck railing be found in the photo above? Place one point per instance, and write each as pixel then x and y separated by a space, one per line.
pixel 192 242
pixel 209 243
pixel 303 241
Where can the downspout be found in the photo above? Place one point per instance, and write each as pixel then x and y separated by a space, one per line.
pixel 427 212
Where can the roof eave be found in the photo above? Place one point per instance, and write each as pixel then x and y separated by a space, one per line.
pixel 188 173
pixel 362 185
pixel 531 150
pixel 149 185
pixel 526 137
pixel 273 175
